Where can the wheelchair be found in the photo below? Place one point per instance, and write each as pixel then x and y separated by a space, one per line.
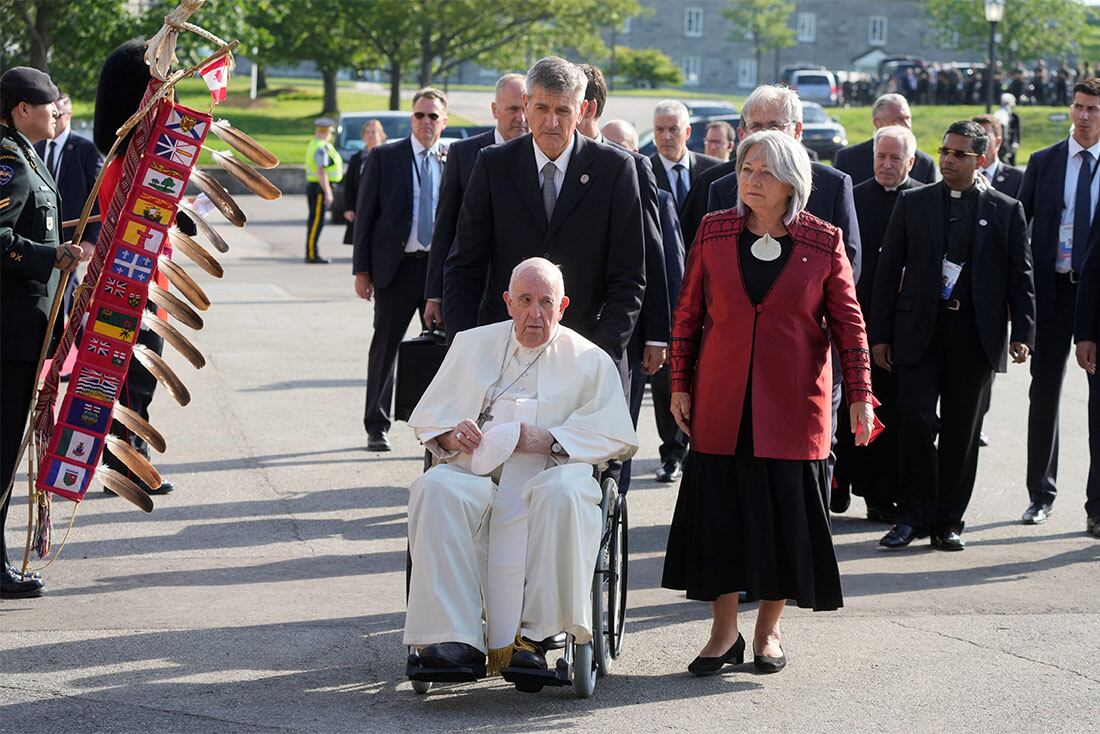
pixel 580 664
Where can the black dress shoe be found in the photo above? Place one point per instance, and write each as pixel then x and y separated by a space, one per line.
pixel 317 260
pixel 702 666
pixel 949 541
pixel 17 586
pixel 670 471
pixel 452 655
pixel 767 664
pixel 840 500
pixel 1036 513
pixel 377 441
pixel 884 513
pixel 900 536
pixel 528 655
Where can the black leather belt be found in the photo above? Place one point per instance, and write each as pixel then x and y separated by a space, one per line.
pixel 952 304
pixel 418 255
pixel 1072 276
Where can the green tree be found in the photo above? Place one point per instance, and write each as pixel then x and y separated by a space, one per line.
pixel 68 39
pixel 764 23
pixel 1030 29
pixel 646 67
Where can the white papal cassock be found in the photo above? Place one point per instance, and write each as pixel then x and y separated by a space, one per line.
pixel 513 544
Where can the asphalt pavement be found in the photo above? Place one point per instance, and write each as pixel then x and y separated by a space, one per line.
pixel 267 592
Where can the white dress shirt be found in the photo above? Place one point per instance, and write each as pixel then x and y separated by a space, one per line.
pixel 684 161
pixel 1069 191
pixel 561 165
pixel 498 139
pixel 413 244
pixel 59 150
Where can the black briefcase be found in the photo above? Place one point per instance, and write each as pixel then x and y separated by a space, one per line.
pixel 418 360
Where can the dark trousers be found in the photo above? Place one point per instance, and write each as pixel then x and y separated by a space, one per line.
pixel 1053 339
pixel 1092 488
pixel 136 394
pixel 936 484
pixel 634 403
pixel 674 442
pixel 394 307
pixel 315 197
pixel 872 471
pixel 17 381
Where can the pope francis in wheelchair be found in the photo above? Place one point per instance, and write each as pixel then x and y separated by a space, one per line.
pixel 506 527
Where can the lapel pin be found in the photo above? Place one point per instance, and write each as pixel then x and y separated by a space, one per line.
pixel 1001 177
pixel 584 178
pixel 982 222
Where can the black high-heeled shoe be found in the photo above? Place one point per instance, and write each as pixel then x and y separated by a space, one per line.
pixel 767 664
pixel 702 666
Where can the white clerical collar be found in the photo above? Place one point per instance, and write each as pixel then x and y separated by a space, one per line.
pixel 530 352
pixel 418 148
pixel 895 188
pixel 685 161
pixel 497 137
pixel 562 163
pixel 1075 148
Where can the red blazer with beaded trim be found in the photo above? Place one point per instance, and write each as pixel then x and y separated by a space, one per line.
pixel 717 332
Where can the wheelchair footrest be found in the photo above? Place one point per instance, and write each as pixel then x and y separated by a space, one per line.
pixel 459 674
pixel 532 680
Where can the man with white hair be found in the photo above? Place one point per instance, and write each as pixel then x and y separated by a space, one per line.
pixel 506 527
pixel 557 195
pixel 675 166
pixel 858 160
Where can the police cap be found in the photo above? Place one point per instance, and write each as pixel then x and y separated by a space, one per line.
pixel 325 122
pixel 25 84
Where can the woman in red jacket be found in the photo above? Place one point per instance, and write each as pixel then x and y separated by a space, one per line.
pixel 766 285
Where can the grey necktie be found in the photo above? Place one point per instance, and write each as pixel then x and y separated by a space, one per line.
pixel 549 193
pixel 424 218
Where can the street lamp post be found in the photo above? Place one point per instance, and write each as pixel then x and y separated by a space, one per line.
pixel 994 11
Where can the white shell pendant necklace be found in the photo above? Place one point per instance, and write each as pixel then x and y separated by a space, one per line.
pixel 767 248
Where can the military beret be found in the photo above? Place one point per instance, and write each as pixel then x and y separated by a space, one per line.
pixel 325 122
pixel 29 85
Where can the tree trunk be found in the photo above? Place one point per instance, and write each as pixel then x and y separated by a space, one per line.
pixel 41 34
pixel 759 65
pixel 261 77
pixel 395 84
pixel 330 105
pixel 425 78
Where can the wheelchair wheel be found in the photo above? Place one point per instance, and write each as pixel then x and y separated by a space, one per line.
pixel 601 589
pixel 617 579
pixel 584 669
pixel 421 686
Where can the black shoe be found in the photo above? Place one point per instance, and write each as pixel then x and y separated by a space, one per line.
pixel 17 586
pixel 949 541
pixel 452 655
pixel 766 664
pixel 840 500
pixel 900 536
pixel 377 441
pixel 702 666
pixel 164 488
pixel 317 260
pixel 670 471
pixel 983 439
pixel 884 513
pixel 528 655
pixel 1092 526
pixel 1036 513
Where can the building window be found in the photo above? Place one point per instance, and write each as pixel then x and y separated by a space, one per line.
pixel 693 22
pixel 746 73
pixel 876 30
pixel 691 65
pixel 807 27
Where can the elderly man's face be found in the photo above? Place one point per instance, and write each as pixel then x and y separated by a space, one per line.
pixel 670 134
pixel 894 114
pixel 536 305
pixel 891 163
pixel 621 135
pixel 769 117
pixel 508 111
pixel 553 119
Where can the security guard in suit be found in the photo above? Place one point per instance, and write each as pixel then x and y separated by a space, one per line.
pixel 324 167
pixel 32 259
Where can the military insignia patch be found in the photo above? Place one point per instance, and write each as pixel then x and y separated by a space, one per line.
pixel 6 173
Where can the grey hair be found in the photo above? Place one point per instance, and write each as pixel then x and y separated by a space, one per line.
pixel 888 100
pixel 788 161
pixel 898 132
pixel 770 96
pixel 1008 99
pixel 545 268
pixel 672 107
pixel 506 80
pixel 628 131
pixel 557 76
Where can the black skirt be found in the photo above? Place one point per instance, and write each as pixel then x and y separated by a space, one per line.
pixel 754 525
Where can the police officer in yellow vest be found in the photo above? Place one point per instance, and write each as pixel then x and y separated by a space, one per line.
pixel 32 259
pixel 324 167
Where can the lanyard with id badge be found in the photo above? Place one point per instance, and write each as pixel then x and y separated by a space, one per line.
pixel 950 277
pixel 1063 262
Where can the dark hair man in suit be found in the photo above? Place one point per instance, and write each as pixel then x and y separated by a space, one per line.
pixel 557 195
pixel 1086 333
pixel 511 122
pixel 394 222
pixel 858 160
pixel 1001 176
pixel 1059 194
pixel 74 163
pixel 964 251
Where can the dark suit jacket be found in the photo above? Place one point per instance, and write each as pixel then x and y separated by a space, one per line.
pixel 999 267
pixel 80 164
pixel 383 214
pixel 1087 312
pixel 1042 194
pixel 1008 180
pixel 664 266
pixel 595 236
pixel 874 205
pixel 461 157
pixel 351 190
pixel 830 200
pixel 673 246
pixel 699 165
pixel 654 322
pixel 858 161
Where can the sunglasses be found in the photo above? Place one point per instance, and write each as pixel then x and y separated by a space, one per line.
pixel 433 116
pixel 948 152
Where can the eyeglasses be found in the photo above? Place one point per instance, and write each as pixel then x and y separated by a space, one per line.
pixel 948 152
pixel 757 127
pixel 433 116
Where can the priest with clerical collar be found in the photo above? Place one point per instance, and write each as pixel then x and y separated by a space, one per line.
pixel 516 417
